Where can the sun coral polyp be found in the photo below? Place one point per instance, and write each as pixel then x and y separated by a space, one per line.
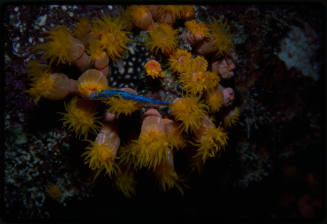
pixel 82 29
pixel 209 139
pixel 152 145
pixel 100 155
pixel 162 38
pixel 54 86
pixel 232 117
pixel 189 111
pixel 90 81
pixel 141 17
pixel 153 69
pixel 119 106
pixel 187 11
pixel 214 99
pixel 196 32
pixel 197 82
pixel 174 134
pixel 167 14
pixel 110 35
pixel 219 40
pixel 80 117
pixel 179 62
pixel 62 47
pixel 125 182
pixel 166 175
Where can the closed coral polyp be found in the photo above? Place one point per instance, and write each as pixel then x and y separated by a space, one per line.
pixel 141 16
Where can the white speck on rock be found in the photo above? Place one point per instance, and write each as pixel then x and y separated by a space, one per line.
pixel 110 7
pixel 130 70
pixel 41 20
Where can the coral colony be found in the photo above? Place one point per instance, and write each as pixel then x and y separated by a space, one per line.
pixel 195 55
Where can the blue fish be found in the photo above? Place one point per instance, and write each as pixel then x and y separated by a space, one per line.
pixel 126 95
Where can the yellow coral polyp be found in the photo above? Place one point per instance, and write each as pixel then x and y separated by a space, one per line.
pixel 213 140
pixel 180 61
pixel 167 176
pixel 100 157
pixel 189 111
pixel 199 64
pixel 90 81
pixel 231 118
pixel 174 134
pixel 197 82
pixel 152 147
pixel 81 29
pixel 215 100
pixel 80 117
pixel 119 105
pixel 36 70
pixel 162 38
pixel 125 183
pixel 40 86
pixel 186 11
pixel 221 36
pixel 153 69
pixel 173 11
pixel 60 46
pixel 197 28
pixel 110 35
pixel 54 192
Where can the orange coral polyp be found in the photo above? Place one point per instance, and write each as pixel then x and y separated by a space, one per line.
pixel 90 81
pixel 162 38
pixel 153 69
